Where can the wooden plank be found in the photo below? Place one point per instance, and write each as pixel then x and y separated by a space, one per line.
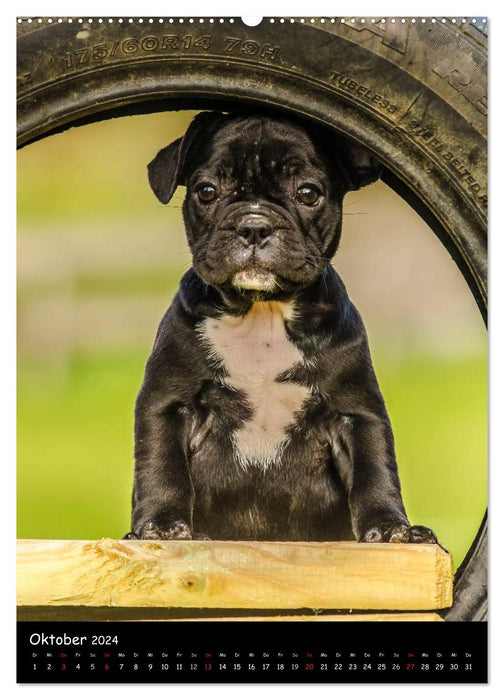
pixel 358 617
pixel 87 613
pixel 104 613
pixel 254 575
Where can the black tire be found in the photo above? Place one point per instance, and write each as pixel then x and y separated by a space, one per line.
pixel 413 92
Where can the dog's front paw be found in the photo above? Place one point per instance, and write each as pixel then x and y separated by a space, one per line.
pixel 179 530
pixel 400 533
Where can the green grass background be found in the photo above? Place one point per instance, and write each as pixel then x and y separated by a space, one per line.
pixel 87 188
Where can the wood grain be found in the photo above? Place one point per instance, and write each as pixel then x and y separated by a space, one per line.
pixel 233 575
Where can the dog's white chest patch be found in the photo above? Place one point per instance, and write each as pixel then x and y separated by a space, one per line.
pixel 255 351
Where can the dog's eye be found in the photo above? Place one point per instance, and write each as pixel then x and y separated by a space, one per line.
pixel 308 195
pixel 207 193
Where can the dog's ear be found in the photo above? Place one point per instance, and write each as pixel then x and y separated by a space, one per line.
pixel 166 170
pixel 357 164
pixel 360 164
pixel 163 171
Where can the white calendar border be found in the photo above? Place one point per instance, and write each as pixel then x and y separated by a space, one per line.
pixel 315 8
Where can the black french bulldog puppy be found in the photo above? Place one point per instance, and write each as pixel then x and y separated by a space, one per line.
pixel 260 417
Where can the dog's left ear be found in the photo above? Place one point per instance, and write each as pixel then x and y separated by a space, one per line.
pixel 360 164
pixel 166 170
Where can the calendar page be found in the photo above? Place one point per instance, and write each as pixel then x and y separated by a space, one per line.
pixel 252 349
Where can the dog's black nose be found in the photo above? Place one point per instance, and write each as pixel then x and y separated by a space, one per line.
pixel 255 229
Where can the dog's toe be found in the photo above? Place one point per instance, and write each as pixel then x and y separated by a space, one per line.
pixel 372 535
pixel 419 533
pixel 400 533
pixel 179 530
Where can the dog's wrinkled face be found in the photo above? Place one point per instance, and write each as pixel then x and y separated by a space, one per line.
pixel 261 210
pixel 264 199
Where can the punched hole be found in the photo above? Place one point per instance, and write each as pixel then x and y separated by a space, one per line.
pixel 251 21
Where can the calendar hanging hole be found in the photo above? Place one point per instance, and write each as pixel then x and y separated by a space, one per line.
pixel 252 21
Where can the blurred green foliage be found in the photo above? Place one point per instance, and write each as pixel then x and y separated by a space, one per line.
pixel 94 171
pixel 99 259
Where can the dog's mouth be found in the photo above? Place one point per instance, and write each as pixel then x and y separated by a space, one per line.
pixel 254 279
